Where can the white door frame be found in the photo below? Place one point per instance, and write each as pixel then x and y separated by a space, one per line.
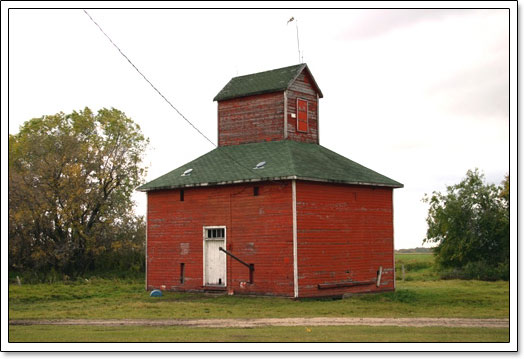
pixel 204 229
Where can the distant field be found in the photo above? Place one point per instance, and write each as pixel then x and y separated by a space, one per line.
pixel 415 250
pixel 421 294
pixel 419 257
pixel 417 266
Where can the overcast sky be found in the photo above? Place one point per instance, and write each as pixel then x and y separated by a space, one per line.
pixel 420 96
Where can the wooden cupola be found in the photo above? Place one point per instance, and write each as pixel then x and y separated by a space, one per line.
pixel 267 106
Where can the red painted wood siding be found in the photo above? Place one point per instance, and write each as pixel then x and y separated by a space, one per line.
pixel 251 119
pixel 302 88
pixel 259 231
pixel 344 233
pixel 260 118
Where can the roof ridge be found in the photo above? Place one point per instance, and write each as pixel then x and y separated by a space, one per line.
pixel 292 155
pixel 356 163
pixel 261 72
pixel 165 175
pixel 259 83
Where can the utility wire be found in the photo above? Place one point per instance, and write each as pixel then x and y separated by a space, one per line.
pixel 149 82
pixel 169 102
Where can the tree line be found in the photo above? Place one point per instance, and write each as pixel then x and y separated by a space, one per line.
pixel 469 224
pixel 71 177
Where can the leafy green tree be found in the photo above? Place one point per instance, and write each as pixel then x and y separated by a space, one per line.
pixel 71 177
pixel 504 193
pixel 469 223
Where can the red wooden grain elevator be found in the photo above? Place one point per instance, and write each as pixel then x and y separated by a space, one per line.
pixel 270 211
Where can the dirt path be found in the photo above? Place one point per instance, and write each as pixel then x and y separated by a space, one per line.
pixel 262 322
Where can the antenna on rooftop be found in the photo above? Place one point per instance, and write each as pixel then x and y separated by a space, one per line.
pixel 300 58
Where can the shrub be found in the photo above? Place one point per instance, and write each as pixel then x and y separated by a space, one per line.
pixel 479 270
pixel 416 266
pixel 470 225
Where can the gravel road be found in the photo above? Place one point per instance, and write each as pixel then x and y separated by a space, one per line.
pixel 263 322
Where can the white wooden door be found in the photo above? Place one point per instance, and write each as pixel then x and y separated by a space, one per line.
pixel 214 261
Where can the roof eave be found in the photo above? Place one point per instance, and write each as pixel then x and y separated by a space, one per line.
pixel 262 179
pixel 225 98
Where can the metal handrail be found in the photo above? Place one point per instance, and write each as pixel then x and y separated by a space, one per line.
pixel 251 266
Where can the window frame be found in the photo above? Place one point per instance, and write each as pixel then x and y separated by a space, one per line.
pixel 307 115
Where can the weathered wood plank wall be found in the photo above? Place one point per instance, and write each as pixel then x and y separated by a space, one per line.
pixel 345 233
pixel 251 119
pixel 259 231
pixel 260 118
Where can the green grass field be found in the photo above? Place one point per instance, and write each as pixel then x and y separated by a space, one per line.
pixel 421 294
pixel 416 266
pixel 41 333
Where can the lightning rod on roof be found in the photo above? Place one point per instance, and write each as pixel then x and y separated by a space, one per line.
pixel 298 41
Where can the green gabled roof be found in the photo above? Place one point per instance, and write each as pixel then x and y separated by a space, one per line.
pixel 263 82
pixel 284 160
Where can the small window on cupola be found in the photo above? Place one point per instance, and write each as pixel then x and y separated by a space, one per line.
pixel 302 107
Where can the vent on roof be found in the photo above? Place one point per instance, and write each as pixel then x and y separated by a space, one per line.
pixel 260 165
pixel 187 172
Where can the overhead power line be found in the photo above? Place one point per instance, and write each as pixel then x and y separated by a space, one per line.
pixel 149 82
pixel 165 99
